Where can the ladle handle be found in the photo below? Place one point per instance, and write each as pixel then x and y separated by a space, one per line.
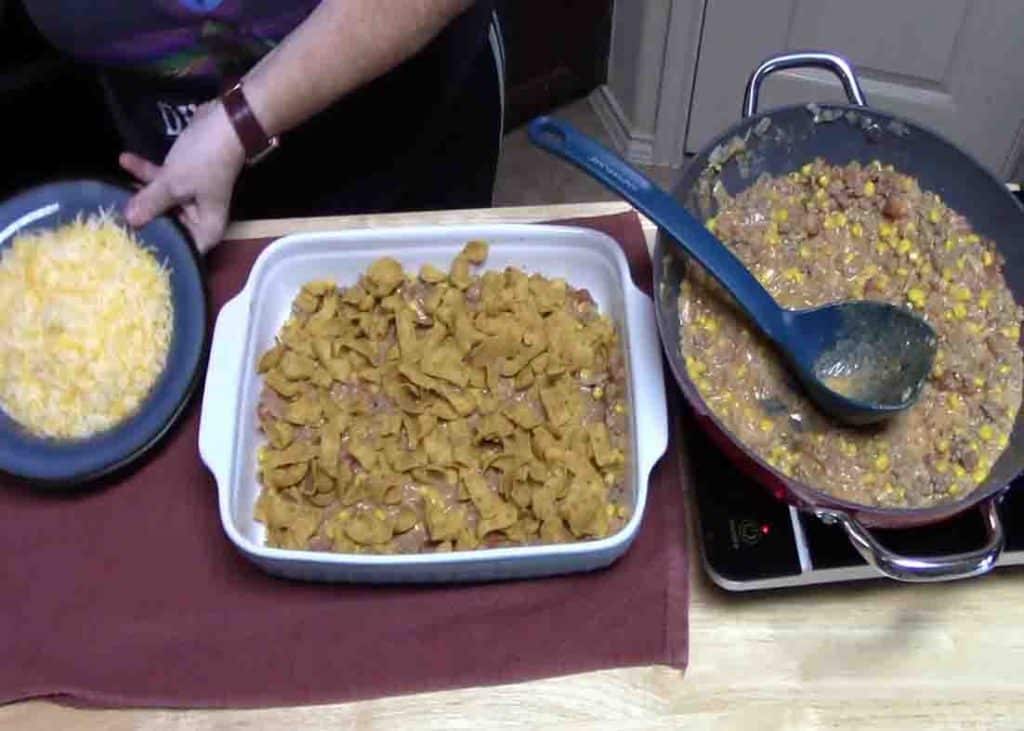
pixel 616 174
pixel 925 568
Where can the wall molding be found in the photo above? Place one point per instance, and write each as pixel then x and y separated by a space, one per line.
pixel 645 104
pixel 635 146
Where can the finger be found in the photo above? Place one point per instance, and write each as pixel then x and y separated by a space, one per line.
pixel 148 203
pixel 212 222
pixel 140 167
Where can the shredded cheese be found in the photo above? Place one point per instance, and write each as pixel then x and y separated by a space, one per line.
pixel 85 326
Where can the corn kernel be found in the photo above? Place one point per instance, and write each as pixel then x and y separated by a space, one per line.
pixel 986 432
pixel 941 466
pixel 934 215
pixel 766 425
pixel 985 298
pixel 942 446
pixel 881 247
pixel 882 462
pixel 857 230
pixel 959 471
pixel 953 400
pixel 1011 331
pixel 711 224
pixel 987 258
pixel 793 274
pixel 959 311
pixel 806 169
pixel 972 238
pixel 846 259
pixel 973 328
pixel 947 274
pixel 780 214
pixel 916 296
pixel 820 194
pixel 961 293
pixel 961 262
pixel 772 238
pixel 823 180
pixel 619 408
pixel 902 271
pixel 1002 441
pixel 598 393
pixel 1004 369
pixel 869 188
pixel 903 246
pixel 885 229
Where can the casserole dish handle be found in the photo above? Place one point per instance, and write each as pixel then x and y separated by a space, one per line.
pixel 217 419
pixel 802 59
pixel 924 568
pixel 651 433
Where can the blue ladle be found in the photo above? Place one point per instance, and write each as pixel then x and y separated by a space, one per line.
pixel 861 362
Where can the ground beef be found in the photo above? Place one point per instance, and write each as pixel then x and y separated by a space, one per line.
pixel 824 234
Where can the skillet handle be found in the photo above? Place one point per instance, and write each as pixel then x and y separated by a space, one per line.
pixel 803 59
pixel 924 568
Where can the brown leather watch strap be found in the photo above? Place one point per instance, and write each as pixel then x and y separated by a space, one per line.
pixel 250 132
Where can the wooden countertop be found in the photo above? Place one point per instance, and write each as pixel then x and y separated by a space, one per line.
pixel 869 655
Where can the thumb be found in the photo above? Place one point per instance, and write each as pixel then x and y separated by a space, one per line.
pixel 148 203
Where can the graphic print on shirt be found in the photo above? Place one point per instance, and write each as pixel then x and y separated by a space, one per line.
pixel 201 6
pixel 170 39
pixel 175 116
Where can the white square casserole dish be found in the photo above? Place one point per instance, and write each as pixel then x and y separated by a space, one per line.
pixel 246 326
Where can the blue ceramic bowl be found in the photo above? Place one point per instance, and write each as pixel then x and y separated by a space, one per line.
pixel 46 462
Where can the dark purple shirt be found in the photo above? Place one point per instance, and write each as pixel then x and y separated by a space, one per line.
pixel 169 38
pixel 162 58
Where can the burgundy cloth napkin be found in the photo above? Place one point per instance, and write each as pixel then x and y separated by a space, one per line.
pixel 130 594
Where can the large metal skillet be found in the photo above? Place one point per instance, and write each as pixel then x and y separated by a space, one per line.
pixel 779 141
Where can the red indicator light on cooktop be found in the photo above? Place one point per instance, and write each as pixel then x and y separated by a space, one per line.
pixel 765 529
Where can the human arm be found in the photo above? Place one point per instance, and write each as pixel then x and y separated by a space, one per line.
pixel 342 45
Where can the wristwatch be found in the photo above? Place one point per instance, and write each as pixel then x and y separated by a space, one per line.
pixel 254 139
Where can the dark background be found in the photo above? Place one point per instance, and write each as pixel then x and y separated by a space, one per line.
pixel 53 122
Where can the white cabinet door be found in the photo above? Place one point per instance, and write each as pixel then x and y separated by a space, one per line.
pixel 953 65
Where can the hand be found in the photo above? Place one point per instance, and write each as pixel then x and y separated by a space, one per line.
pixel 198 175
